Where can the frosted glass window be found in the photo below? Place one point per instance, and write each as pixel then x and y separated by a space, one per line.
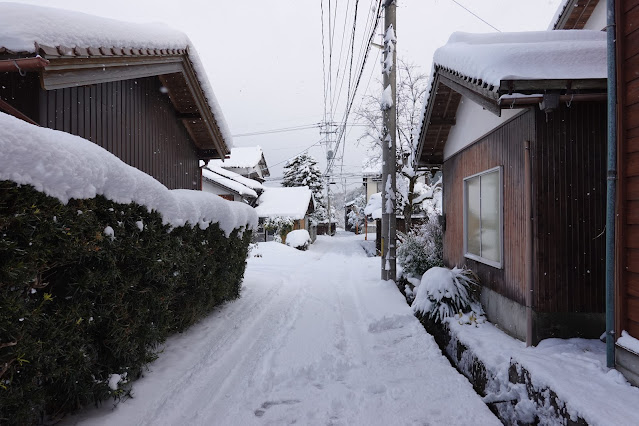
pixel 482 217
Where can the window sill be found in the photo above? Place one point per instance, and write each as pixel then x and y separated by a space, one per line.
pixel 488 262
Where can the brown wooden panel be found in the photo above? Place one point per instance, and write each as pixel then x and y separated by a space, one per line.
pixel 131 119
pixel 631 116
pixel 631 94
pixel 632 260
pixel 569 169
pixel 632 188
pixel 632 280
pixel 632 164
pixel 630 21
pixel 627 5
pixel 631 236
pixel 632 144
pixel 632 306
pixel 503 147
pixel 632 212
pixel 632 328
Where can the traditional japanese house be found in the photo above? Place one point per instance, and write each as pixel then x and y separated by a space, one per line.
pixel 137 90
pixel 626 304
pixel 247 161
pixel 230 185
pixel 296 203
pixel 518 123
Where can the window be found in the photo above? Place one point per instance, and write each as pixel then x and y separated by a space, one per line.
pixel 483 217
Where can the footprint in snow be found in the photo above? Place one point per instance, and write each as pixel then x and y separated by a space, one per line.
pixel 268 404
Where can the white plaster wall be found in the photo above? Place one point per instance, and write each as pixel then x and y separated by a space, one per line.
pixel 597 20
pixel 213 189
pixel 473 122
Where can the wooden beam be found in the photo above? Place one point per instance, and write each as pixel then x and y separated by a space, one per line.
pixel 440 121
pixel 486 103
pixel 538 86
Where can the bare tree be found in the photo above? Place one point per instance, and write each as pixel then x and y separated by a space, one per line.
pixel 411 87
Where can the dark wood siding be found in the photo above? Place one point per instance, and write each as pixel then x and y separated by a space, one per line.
pixel 503 147
pixel 628 166
pixel 569 199
pixel 21 92
pixel 132 119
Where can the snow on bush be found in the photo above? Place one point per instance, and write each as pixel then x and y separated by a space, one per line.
pixel 279 225
pixel 299 239
pixel 422 248
pixel 444 293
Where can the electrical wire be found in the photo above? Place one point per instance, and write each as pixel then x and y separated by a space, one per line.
pixel 476 16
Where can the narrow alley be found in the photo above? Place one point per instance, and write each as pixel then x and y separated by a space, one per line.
pixel 315 338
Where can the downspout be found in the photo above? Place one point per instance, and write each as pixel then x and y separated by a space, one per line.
pixel 529 242
pixel 611 185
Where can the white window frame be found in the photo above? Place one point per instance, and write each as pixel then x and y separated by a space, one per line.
pixel 473 256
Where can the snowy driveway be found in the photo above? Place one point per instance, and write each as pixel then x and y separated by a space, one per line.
pixel 315 339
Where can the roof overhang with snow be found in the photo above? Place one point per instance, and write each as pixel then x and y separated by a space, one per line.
pixel 76 49
pixel 246 157
pixel 508 70
pixel 574 14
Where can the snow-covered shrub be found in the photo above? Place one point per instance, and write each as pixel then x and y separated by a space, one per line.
pixel 299 239
pixel 80 308
pixel 444 293
pixel 421 248
pixel 280 226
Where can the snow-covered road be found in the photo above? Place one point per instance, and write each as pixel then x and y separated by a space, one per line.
pixel 315 339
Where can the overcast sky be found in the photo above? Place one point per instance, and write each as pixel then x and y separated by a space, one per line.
pixel 264 58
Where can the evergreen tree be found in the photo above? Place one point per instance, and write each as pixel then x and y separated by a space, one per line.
pixel 303 171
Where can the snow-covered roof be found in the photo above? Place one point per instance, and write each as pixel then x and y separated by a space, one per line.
pixel 230 184
pixel 25 27
pixel 65 166
pixel 249 183
pixel 242 157
pixel 535 55
pixel 285 202
pixel 372 167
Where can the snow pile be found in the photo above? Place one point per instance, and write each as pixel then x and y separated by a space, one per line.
pixel 231 184
pixel 575 369
pixel 374 206
pixel 290 202
pixel 65 166
pixel 22 26
pixel 443 293
pixel 299 239
pixel 534 55
pixel 628 342
pixel 241 157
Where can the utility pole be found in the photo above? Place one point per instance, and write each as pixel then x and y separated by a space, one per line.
pixel 389 132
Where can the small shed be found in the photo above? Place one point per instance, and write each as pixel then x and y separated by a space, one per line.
pixel 518 121
pixel 247 161
pixel 230 185
pixel 137 90
pixel 295 202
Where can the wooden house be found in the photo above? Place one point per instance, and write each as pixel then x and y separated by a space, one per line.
pixel 246 161
pixel 137 90
pixel 627 204
pixel 230 185
pixel 517 121
pixel 296 202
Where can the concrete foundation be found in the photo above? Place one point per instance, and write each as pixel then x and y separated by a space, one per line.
pixel 627 362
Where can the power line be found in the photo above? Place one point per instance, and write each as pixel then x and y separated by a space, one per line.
pixel 301 152
pixel 476 16
pixel 280 130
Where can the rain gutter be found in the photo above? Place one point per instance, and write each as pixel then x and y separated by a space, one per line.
pixel 22 65
pixel 611 185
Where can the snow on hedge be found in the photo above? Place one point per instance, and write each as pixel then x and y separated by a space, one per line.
pixel 21 26
pixel 65 166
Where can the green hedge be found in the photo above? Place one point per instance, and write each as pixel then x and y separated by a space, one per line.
pixel 77 305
